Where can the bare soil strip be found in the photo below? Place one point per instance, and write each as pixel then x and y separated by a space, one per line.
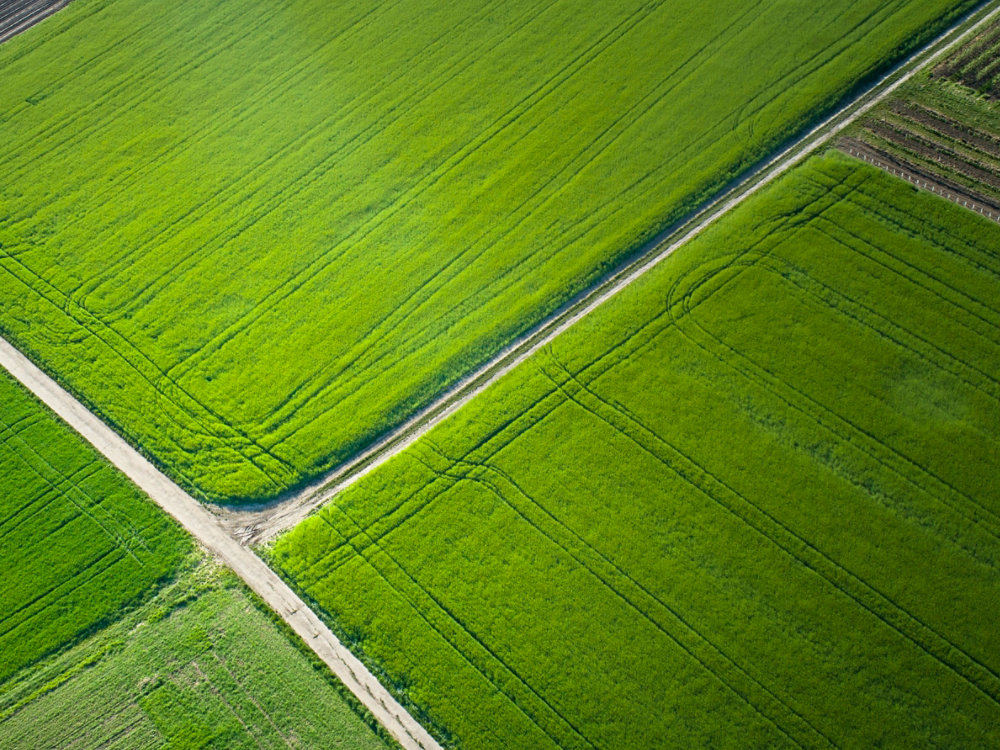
pixel 259 523
pixel 976 66
pixel 937 153
pixel 922 179
pixel 18 15
pixel 219 535
pixel 201 524
pixel 943 125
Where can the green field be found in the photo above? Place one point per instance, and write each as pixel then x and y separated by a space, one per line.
pixel 115 633
pixel 253 236
pixel 78 542
pixel 199 666
pixel 753 501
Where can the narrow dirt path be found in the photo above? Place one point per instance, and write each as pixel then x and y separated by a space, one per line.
pixel 201 524
pixel 258 524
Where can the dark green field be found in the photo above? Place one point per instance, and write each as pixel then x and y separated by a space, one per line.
pixel 754 501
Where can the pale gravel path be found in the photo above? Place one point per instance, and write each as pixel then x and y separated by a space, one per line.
pixel 261 524
pixel 201 524
pixel 258 524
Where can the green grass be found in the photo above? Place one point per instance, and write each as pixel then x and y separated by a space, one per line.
pixel 199 666
pixel 753 501
pixel 955 100
pixel 254 236
pixel 78 542
pixel 115 633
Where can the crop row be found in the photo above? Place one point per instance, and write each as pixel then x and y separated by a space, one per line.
pixel 200 664
pixel 78 542
pixel 756 491
pixel 267 245
pixel 977 65
pixel 18 15
pixel 938 137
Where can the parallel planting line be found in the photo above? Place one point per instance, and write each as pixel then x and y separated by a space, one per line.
pixel 19 15
pixel 262 522
pixel 205 528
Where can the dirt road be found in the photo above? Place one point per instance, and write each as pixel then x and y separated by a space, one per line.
pixel 219 534
pixel 201 524
pixel 257 524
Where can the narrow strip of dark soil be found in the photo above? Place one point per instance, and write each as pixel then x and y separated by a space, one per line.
pixel 921 178
pixel 938 122
pixel 937 153
pixel 18 15
pixel 957 62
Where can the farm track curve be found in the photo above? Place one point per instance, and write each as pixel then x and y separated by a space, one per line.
pixel 226 532
pixel 197 521
pixel 259 523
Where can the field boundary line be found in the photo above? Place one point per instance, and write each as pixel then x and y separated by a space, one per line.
pixel 253 524
pixel 200 523
pixel 18 18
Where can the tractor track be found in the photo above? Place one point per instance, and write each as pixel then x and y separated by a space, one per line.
pixel 259 523
pixel 226 532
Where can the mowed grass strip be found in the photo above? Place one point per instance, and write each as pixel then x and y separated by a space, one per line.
pixel 254 237
pixel 78 542
pixel 753 501
pixel 200 665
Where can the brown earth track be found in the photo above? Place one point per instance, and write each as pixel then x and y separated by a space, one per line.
pixel 942 124
pixel 935 152
pixel 204 527
pixel 19 15
pixel 976 75
pixel 964 56
pixel 985 159
pixel 921 178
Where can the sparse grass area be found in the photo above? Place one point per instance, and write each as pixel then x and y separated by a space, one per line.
pixel 199 666
pixel 754 501
pixel 253 236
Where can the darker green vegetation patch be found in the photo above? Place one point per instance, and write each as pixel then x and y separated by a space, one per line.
pixel 754 501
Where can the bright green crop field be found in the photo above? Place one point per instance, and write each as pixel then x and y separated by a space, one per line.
pixel 253 236
pixel 78 543
pixel 115 633
pixel 753 501
pixel 199 666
